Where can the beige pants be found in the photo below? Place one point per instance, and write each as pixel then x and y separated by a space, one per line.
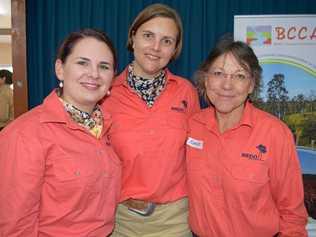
pixel 168 220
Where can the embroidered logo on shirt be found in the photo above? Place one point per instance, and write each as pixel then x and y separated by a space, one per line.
pixel 182 108
pixel 195 143
pixel 259 156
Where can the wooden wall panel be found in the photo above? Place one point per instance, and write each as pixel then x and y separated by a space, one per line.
pixel 19 57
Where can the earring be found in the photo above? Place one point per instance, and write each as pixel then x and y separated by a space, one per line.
pixel 108 93
pixel 61 84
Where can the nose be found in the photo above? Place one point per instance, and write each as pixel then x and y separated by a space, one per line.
pixel 156 45
pixel 94 71
pixel 227 82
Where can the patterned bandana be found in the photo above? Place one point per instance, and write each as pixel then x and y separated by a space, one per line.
pixel 93 123
pixel 147 89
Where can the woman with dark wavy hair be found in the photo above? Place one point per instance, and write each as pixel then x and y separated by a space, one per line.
pixel 59 176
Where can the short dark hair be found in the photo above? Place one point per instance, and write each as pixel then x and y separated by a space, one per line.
pixel 244 55
pixel 153 11
pixel 7 75
pixel 73 38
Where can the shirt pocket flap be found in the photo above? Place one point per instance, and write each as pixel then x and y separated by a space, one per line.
pixel 256 173
pixel 67 169
pixel 178 122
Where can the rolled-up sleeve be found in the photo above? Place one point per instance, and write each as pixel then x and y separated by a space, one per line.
pixel 21 177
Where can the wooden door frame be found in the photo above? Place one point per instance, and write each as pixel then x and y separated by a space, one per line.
pixel 19 60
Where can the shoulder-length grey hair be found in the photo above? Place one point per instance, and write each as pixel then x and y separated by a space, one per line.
pixel 243 54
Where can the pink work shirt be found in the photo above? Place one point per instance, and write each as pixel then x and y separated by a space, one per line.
pixel 245 182
pixel 151 141
pixel 56 179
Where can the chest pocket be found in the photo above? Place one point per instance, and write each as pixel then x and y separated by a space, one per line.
pixel 176 121
pixel 250 183
pixel 250 172
pixel 174 128
pixel 68 169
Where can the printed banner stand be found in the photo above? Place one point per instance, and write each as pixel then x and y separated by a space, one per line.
pixel 286 48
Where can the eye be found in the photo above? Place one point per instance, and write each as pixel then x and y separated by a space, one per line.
pixel 148 36
pixel 217 73
pixel 82 63
pixel 240 76
pixel 104 66
pixel 167 42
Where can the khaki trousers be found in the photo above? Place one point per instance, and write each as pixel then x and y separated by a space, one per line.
pixel 168 220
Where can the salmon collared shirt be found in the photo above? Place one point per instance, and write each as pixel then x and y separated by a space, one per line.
pixel 56 178
pixel 150 141
pixel 245 182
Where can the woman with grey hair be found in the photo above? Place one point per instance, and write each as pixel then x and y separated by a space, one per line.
pixel 244 176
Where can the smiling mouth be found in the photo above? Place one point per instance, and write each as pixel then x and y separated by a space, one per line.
pixel 90 86
pixel 152 57
pixel 227 97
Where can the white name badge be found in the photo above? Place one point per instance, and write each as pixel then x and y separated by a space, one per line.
pixel 195 143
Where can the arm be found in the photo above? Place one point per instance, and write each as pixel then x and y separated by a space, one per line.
pixel 194 102
pixel 4 109
pixel 287 188
pixel 21 171
pixel 11 106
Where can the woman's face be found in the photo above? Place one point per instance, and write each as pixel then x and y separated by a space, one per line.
pixel 228 85
pixel 87 73
pixel 154 44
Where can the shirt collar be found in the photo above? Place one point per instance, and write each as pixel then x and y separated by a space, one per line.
pixel 248 115
pixel 207 117
pixel 121 79
pixel 54 112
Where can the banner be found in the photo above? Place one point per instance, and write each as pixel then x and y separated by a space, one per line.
pixel 288 39
pixel 286 48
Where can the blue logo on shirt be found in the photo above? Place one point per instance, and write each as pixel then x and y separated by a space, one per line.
pixel 259 156
pixel 182 108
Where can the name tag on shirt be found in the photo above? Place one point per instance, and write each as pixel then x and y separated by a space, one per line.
pixel 195 143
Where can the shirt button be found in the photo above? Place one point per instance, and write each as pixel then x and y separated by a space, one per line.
pixel 99 152
pixel 77 173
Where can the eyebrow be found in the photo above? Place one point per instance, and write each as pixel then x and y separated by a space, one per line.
pixel 87 59
pixel 169 37
pixel 238 70
pixel 83 58
pixel 164 37
pixel 148 31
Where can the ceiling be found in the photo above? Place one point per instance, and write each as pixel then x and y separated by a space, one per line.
pixel 5 19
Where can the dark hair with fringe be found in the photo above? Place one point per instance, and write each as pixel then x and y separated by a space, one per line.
pixel 73 38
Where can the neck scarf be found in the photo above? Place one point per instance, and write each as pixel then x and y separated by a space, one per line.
pixel 147 89
pixel 92 122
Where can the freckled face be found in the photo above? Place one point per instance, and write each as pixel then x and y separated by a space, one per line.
pixel 87 73
pixel 228 94
pixel 154 45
